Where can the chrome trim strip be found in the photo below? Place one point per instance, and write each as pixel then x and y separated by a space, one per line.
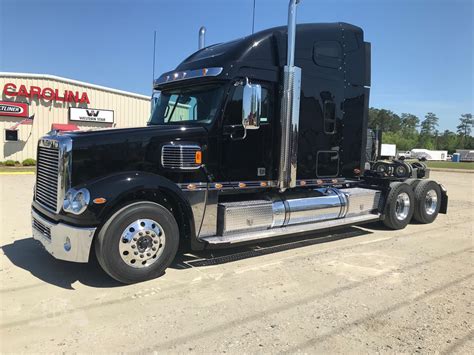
pixel 263 184
pixel 174 76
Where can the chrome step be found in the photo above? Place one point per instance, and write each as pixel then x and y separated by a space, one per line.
pixel 294 229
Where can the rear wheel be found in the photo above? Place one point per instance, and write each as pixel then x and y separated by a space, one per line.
pixel 427 201
pixel 399 206
pixel 381 168
pixel 412 182
pixel 138 242
pixel 402 170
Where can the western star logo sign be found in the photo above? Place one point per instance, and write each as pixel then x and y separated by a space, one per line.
pixel 13 109
pixel 91 115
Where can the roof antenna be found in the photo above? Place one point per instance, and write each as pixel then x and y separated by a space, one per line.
pixel 253 17
pixel 154 55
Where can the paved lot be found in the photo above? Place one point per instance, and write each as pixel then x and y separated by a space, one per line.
pixel 360 290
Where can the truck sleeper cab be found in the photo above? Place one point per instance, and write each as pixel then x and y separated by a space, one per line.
pixel 248 140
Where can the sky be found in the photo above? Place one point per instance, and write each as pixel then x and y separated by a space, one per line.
pixel 422 50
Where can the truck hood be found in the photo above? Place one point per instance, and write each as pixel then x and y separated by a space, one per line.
pixel 100 153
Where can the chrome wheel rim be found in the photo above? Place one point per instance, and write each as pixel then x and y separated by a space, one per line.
pixel 142 243
pixel 431 202
pixel 402 206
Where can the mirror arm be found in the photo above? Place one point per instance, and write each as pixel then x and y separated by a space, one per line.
pixel 239 138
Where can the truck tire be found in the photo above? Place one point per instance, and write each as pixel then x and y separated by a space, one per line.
pixel 427 201
pixel 138 242
pixel 401 170
pixel 381 168
pixel 412 182
pixel 399 206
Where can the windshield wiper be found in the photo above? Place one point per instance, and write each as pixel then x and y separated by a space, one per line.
pixel 174 107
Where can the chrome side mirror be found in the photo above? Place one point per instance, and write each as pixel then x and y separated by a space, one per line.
pixel 251 105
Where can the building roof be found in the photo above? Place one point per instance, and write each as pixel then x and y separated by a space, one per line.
pixel 71 81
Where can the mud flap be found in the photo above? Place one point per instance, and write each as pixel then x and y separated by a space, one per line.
pixel 444 200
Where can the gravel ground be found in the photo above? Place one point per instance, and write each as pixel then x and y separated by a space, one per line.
pixel 360 290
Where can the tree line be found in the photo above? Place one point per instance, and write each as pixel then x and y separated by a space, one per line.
pixel 407 131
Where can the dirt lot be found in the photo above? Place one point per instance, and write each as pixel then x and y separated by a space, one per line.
pixel 360 290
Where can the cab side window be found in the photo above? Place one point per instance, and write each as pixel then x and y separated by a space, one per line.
pixel 266 104
pixel 233 110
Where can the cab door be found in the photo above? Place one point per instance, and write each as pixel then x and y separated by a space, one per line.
pixel 247 156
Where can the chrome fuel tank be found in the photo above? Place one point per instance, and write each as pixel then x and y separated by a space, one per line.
pixel 294 208
pixel 317 205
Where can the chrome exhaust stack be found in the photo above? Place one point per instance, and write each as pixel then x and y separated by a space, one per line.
pixel 202 37
pixel 290 108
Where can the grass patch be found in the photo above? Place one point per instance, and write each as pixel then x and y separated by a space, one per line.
pixel 7 169
pixel 450 165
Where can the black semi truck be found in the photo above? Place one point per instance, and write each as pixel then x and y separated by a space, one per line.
pixel 253 139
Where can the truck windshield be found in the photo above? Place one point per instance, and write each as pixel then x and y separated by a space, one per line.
pixel 190 105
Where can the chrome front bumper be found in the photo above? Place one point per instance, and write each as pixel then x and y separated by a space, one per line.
pixel 61 240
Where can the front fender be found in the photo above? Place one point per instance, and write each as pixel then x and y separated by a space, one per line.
pixel 125 187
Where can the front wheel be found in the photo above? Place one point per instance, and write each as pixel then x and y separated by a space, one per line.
pixel 399 206
pixel 138 242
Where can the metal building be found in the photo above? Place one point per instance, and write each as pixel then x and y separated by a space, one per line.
pixel 63 104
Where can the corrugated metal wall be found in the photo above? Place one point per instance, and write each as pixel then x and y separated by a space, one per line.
pixel 130 110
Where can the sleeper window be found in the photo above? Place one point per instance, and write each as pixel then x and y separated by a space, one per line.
pixel 328 54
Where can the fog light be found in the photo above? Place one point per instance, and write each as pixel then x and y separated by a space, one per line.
pixel 67 244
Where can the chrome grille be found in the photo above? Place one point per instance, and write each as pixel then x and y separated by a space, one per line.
pixel 180 156
pixel 47 176
pixel 40 227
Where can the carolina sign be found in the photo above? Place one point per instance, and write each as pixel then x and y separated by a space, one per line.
pixel 47 94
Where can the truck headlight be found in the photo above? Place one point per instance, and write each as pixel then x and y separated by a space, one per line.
pixel 76 201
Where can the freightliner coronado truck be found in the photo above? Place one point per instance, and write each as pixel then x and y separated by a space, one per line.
pixel 249 140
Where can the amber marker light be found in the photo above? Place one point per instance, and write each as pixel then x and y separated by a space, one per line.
pixel 191 187
pixel 263 184
pixel 218 186
pixel 242 184
pixel 99 200
pixel 198 157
